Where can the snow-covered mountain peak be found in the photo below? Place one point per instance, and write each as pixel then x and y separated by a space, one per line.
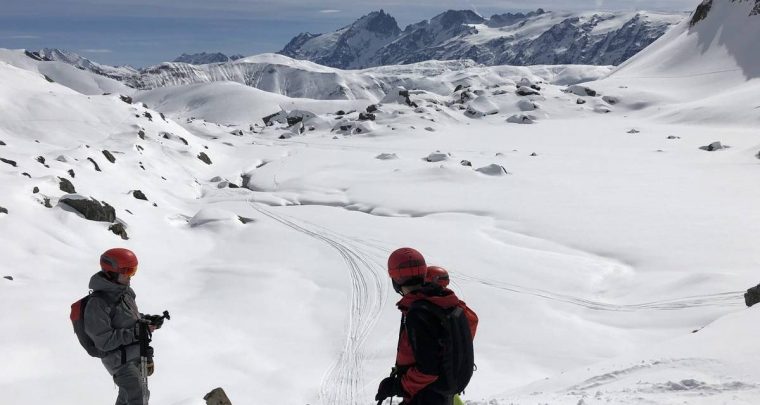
pixel 378 22
pixel 204 58
pixel 537 37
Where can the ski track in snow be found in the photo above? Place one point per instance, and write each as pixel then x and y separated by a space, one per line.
pixel 726 299
pixel 343 382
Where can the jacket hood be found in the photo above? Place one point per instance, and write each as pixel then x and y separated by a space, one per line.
pixel 442 297
pixel 99 282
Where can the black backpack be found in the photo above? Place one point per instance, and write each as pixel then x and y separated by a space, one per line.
pixel 752 296
pixel 77 319
pixel 457 359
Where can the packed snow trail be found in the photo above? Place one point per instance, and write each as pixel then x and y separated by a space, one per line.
pixel 343 381
pixel 725 299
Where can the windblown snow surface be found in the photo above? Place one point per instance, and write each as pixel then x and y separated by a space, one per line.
pixel 590 233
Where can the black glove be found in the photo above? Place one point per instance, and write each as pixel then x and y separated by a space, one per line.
pixel 389 387
pixel 155 320
pixel 149 353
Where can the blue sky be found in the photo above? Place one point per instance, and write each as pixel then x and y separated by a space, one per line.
pixel 145 32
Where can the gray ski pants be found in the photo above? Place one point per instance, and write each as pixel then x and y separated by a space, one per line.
pixel 127 377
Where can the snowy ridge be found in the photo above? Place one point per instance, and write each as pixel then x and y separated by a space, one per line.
pixel 204 58
pixel 535 38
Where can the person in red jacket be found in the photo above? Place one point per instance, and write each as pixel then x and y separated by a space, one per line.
pixel 419 376
pixel 439 275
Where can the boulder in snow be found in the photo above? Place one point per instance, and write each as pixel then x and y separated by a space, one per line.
pixel 109 156
pixel 217 396
pixel 366 117
pixel 466 163
pixel 580 101
pixel 634 131
pixel 204 158
pixel 480 107
pixel 212 215
pixel 66 186
pixel 8 161
pixel 526 91
pixel 579 90
pixel 522 119
pixel 3 210
pixel 493 170
pixel 139 195
pixel 387 156
pixel 527 105
pixel 119 229
pixel 437 157
pixel 611 100
pixel 714 146
pixel 90 208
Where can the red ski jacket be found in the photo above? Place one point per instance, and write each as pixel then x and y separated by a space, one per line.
pixel 418 361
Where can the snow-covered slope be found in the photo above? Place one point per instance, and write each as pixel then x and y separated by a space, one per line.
pixel 706 70
pixel 589 230
pixel 535 38
pixel 81 80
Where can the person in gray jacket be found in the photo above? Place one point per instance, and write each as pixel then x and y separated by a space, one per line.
pixel 111 320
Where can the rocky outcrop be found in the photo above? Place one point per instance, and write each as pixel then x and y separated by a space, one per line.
pixel 66 186
pixel 701 12
pixel 217 396
pixel 91 208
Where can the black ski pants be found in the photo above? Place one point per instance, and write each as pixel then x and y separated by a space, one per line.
pixel 127 378
pixel 430 397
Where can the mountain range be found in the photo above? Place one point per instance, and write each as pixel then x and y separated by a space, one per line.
pixel 534 38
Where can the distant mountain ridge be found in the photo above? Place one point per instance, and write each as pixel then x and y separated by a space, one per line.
pixel 537 37
pixel 204 58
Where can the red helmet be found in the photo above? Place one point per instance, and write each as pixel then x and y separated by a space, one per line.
pixel 437 275
pixel 406 266
pixel 119 260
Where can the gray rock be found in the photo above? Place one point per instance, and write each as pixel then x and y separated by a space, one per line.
pixel 126 99
pixel 216 179
pixel 97 168
pixel 673 137
pixel 579 90
pixel 757 155
pixel 204 158
pixel 437 157
pixel 703 9
pixel 522 119
pixel 245 220
pixel 41 159
pixel 634 131
pixel 371 108
pixel 466 163
pixel 493 170
pixel 526 91
pixel 118 229
pixel 71 173
pixel 109 156
pixel 611 100
pixel 366 117
pixel 8 161
pixel 66 186
pixel 2 143
pixel 386 156
pixel 217 396
pixel 714 147
pixel 8 278
pixel 580 101
pixel 91 209
pixel 3 210
pixel 35 190
pixel 139 195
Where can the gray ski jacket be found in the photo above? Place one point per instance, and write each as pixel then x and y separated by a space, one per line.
pixel 110 320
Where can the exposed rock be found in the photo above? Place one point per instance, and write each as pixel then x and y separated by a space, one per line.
pixel 3 210
pixel 66 186
pixel 371 108
pixel 579 90
pixel 2 143
pixel 204 158
pixel 8 278
pixel 430 129
pixel 8 161
pixel 580 101
pixel 285 136
pixel 126 99
pixel 109 156
pixel 534 154
pixel 62 159
pixel 673 137
pixel 493 170
pixel 527 105
pixel 118 229
pixel 526 91
pixel 163 117
pixel 41 159
pixel 91 208
pixel 386 156
pixel 714 146
pixel 522 119
pixel 49 79
pixel 245 220
pixel 611 100
pixel 216 179
pixel 340 112
pixel 466 163
pixel 217 397
pixel 141 134
pixel 237 132
pixel 35 190
pixel 139 195
pixel 148 115
pixel 46 202
pixel 701 12
pixel 437 157
pixel 366 117
pixel 26 174
pixel 97 168
pixel 634 131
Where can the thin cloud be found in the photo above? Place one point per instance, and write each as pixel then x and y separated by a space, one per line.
pixel 329 11
pixel 24 37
